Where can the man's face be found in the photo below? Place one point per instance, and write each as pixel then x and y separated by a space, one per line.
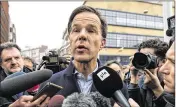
pixel 11 60
pixel 86 37
pixel 168 70
pixel 28 64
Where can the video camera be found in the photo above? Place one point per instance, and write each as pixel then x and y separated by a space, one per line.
pixel 171 26
pixel 53 62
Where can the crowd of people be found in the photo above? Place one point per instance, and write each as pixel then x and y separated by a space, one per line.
pixel 87 31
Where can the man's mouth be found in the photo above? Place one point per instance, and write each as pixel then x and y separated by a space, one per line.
pixel 81 48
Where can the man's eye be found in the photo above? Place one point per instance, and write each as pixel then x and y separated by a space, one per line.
pixel 7 60
pixel 91 31
pixel 75 30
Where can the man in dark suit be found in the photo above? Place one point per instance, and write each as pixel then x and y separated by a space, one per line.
pixel 87 32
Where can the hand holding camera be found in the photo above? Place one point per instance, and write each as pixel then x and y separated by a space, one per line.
pixel 152 81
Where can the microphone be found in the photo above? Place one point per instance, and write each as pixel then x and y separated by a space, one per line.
pixel 100 100
pixel 15 85
pixel 170 32
pixel 79 100
pixel 14 75
pixel 56 101
pixel 109 83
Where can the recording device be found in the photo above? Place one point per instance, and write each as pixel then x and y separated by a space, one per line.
pixel 79 100
pixel 53 62
pixel 144 61
pixel 50 89
pixel 15 85
pixel 108 83
pixel 56 101
pixel 171 26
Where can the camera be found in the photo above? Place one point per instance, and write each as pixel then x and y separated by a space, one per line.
pixel 144 61
pixel 53 62
pixel 171 26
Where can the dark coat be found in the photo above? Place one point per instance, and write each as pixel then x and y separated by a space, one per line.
pixel 67 80
pixel 165 100
pixel 143 95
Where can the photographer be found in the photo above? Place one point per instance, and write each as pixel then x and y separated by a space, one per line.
pixel 143 95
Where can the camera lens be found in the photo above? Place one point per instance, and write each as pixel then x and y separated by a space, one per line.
pixel 140 60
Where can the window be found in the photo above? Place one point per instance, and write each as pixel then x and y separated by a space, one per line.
pixel 132 19
pixel 126 40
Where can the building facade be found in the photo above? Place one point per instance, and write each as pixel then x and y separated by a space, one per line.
pixel 129 23
pixel 12 33
pixel 36 53
pixel 4 21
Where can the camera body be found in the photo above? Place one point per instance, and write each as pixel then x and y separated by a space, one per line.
pixel 144 61
pixel 54 63
pixel 171 26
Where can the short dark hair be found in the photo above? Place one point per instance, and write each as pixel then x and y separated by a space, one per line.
pixel 29 59
pixel 108 63
pixel 84 8
pixel 8 45
pixel 160 47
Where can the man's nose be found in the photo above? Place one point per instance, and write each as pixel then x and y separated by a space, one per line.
pixel 13 60
pixel 83 35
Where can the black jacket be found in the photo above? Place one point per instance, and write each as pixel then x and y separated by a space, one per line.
pixel 143 95
pixel 165 100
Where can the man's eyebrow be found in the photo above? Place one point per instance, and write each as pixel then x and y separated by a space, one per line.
pixel 74 25
pixel 93 26
pixel 172 60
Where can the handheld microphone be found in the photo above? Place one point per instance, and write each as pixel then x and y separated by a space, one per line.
pixel 109 83
pixel 15 85
pixel 79 100
pixel 14 75
pixel 56 101
pixel 100 100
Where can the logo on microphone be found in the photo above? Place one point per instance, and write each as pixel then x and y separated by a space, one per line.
pixel 103 74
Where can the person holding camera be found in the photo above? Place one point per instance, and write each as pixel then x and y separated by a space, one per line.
pixel 149 58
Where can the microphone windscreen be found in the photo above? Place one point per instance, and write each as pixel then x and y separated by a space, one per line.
pixel 14 75
pixel 100 100
pixel 107 81
pixel 15 85
pixel 79 100
pixel 56 101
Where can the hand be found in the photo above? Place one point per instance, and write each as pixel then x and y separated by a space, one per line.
pixel 131 101
pixel 25 101
pixel 152 81
pixel 134 75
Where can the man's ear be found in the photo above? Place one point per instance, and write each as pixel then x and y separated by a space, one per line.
pixel 103 43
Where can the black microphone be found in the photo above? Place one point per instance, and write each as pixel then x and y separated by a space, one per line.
pixel 15 85
pixel 108 83
pixel 100 100
pixel 56 101
pixel 79 100
pixel 14 75
pixel 170 32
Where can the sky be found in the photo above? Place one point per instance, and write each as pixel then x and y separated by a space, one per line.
pixel 40 23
